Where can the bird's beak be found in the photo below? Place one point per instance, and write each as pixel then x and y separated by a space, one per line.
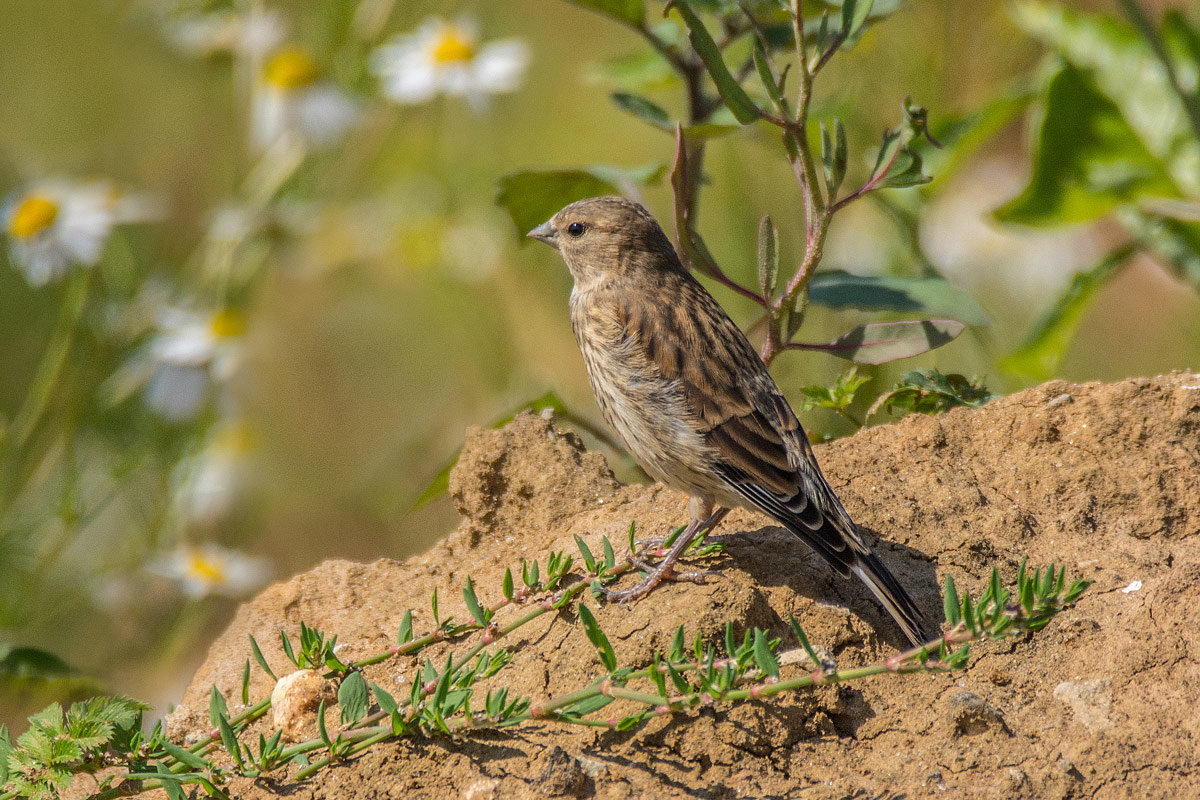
pixel 545 233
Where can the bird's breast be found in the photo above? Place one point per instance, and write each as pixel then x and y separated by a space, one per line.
pixel 648 411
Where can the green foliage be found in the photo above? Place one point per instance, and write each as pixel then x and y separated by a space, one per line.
pixel 106 731
pixel 837 397
pixel 881 342
pixel 532 197
pixel 630 12
pixel 315 650
pixel 937 297
pixel 928 391
pixel 1120 132
pixel 1041 354
pixel 736 100
pixel 703 62
pixel 45 758
pixel 353 698
pixel 1088 159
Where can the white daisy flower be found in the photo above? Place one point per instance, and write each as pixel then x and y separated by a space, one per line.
pixel 212 482
pixel 190 351
pixel 448 58
pixel 290 98
pixel 204 35
pixel 205 569
pixel 57 225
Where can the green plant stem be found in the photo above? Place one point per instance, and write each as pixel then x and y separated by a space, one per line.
pixel 16 436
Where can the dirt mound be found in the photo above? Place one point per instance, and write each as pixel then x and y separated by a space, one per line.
pixel 1100 704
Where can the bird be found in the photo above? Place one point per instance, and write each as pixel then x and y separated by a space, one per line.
pixel 691 400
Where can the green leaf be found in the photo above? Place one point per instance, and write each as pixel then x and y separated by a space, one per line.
pixel 854 14
pixel 353 698
pixel 473 607
pixel 803 639
pixel 1127 71
pixel 763 66
pixel 229 739
pixel 735 97
pixel 968 612
pixel 6 749
pixel 935 296
pixel 186 757
pixel 645 110
pixel 880 342
pixel 834 155
pixel 1176 241
pixel 629 12
pixel 836 397
pixel 170 782
pixel 1041 354
pixel 217 707
pixel 906 170
pixel 1088 159
pixel 763 657
pixel 642 70
pixel 929 391
pixel 677 645
pixel 287 647
pixel 532 197
pixel 506 585
pixel 589 560
pixel 246 683
pixel 258 656
pixel 30 662
pixel 951 605
pixel 610 558
pixel 404 635
pixel 321 729
pixel 768 256
pixel 596 636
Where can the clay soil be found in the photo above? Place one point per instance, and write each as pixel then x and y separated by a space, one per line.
pixel 1105 702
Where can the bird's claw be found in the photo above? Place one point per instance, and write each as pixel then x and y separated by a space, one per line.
pixel 656 576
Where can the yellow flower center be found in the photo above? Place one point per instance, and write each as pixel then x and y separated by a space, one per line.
pixel 290 68
pixel 227 324
pixel 236 439
pixel 33 215
pixel 203 569
pixel 453 46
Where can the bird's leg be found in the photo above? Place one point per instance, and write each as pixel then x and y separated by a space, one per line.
pixel 700 508
pixel 665 569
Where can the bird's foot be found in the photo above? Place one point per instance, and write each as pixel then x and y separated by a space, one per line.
pixel 655 577
pixel 665 569
pixel 669 574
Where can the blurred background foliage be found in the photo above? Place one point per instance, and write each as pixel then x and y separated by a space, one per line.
pixel 256 282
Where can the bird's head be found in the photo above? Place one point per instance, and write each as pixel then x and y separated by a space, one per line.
pixel 608 238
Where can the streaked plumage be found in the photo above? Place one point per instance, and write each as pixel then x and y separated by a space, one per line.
pixel 689 396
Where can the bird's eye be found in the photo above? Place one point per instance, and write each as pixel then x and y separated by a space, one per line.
pixel 576 229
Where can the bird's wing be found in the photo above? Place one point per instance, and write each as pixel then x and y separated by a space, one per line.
pixel 762 452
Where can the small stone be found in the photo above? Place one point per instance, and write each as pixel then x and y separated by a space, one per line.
pixel 561 775
pixel 592 767
pixel 295 700
pixel 483 789
pixel 1090 701
pixel 971 715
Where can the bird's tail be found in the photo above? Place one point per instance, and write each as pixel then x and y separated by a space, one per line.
pixel 891 594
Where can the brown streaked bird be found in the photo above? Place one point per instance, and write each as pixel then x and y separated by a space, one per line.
pixel 692 400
